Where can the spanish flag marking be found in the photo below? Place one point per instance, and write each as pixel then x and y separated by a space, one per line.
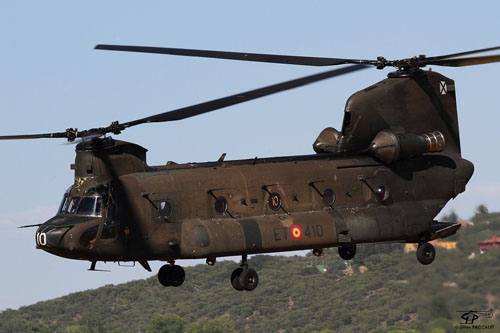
pixel 296 232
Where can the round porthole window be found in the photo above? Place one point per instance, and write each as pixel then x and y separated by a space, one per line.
pixel 383 193
pixel 221 205
pixel 164 210
pixel 328 197
pixel 274 201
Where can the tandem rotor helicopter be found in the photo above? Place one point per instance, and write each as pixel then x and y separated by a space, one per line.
pixel 383 177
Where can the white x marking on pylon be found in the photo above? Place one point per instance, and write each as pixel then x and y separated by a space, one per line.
pixel 443 89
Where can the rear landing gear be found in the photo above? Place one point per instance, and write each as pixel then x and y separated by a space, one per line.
pixel 426 253
pixel 347 252
pixel 171 275
pixel 244 278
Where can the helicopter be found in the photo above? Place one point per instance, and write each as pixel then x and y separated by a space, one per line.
pixel 383 177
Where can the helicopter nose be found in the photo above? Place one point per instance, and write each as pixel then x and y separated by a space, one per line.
pixel 50 236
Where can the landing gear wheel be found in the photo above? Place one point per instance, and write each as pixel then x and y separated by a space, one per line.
pixel 249 279
pixel 164 275
pixel 244 278
pixel 169 275
pixel 178 275
pixel 347 252
pixel 426 253
pixel 235 281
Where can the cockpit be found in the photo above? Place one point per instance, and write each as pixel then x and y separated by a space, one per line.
pixel 84 219
pixel 89 204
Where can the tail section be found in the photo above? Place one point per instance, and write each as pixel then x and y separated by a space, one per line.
pixel 404 103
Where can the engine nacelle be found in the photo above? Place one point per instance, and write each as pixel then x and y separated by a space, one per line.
pixel 327 141
pixel 389 146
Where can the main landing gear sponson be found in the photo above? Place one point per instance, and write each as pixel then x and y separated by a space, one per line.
pixel 244 278
pixel 426 253
pixel 347 252
pixel 171 275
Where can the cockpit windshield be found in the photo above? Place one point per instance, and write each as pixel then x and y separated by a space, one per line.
pixel 90 206
pixel 72 204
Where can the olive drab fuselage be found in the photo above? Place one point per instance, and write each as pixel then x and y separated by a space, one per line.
pixel 347 194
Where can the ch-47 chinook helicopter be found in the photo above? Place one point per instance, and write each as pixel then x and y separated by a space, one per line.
pixel 383 178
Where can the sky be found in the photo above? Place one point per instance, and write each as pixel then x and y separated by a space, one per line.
pixel 52 79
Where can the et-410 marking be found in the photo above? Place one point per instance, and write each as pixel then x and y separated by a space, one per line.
pixel 296 232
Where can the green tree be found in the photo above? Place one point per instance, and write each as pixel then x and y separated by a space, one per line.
pixel 439 309
pixel 481 210
pixel 217 325
pixel 77 329
pixel 37 327
pixel 93 323
pixel 169 323
pixel 450 217
pixel 440 325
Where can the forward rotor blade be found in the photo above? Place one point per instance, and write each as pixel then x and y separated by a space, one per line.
pixel 30 226
pixel 34 136
pixel 464 61
pixel 460 54
pixel 220 103
pixel 190 111
pixel 259 57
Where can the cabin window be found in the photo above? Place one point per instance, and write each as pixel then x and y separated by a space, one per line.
pixel 90 206
pixel 164 210
pixel 221 205
pixel 328 197
pixel 274 201
pixel 383 193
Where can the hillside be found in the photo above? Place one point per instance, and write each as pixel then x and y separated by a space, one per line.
pixel 383 289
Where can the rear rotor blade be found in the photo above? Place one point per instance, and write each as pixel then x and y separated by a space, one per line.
pixel 220 103
pixel 460 54
pixel 380 63
pixel 464 61
pixel 259 57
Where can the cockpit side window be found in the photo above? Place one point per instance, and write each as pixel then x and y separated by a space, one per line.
pixel 110 229
pixel 64 203
pixel 73 203
pixel 98 206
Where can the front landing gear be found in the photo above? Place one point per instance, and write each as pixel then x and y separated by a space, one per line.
pixel 244 278
pixel 171 275
pixel 426 253
pixel 347 252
